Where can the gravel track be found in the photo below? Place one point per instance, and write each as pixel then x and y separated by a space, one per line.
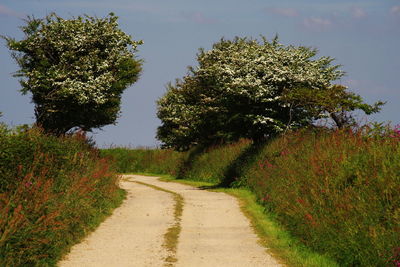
pixel 214 232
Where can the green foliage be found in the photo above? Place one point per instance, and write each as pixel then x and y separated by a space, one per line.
pixel 202 166
pixel 144 160
pixel 279 242
pixel 52 192
pixel 337 191
pixel 334 102
pixel 75 69
pixel 189 164
pixel 250 89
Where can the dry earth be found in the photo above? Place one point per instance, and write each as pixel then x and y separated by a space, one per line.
pixel 214 232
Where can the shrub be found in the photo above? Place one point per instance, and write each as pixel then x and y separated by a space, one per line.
pixel 197 164
pixel 144 160
pixel 52 192
pixel 337 191
pixel 212 164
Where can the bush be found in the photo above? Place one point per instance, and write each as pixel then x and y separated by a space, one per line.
pixel 337 191
pixel 212 164
pixel 144 160
pixel 197 164
pixel 52 192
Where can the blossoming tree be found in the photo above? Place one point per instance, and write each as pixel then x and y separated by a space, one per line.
pixel 246 88
pixel 76 70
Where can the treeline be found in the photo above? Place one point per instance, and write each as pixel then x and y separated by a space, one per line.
pixel 53 191
pixel 337 191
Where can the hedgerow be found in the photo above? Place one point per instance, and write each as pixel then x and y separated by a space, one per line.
pixel 52 192
pixel 337 191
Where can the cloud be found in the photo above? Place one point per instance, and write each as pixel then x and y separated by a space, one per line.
pixel 395 10
pixel 286 12
pixel 5 11
pixel 358 12
pixel 199 18
pixel 317 24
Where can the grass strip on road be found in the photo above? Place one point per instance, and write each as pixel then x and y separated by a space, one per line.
pixel 172 235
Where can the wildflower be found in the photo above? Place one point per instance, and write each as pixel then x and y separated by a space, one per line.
pixel 395 132
pixel 299 200
pixel 266 198
pixel 268 164
pixel 284 153
pixel 396 257
pixel 310 219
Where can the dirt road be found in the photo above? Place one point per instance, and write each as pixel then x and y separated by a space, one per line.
pixel 213 231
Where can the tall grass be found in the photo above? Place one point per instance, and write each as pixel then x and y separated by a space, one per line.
pixel 144 160
pixel 52 192
pixel 337 191
pixel 211 164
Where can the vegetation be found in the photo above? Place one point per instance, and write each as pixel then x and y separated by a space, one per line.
pixel 336 103
pixel 75 69
pixel 172 235
pixel 249 89
pixel 336 191
pixel 52 192
pixel 144 160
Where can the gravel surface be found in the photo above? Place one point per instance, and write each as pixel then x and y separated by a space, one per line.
pixel 214 232
pixel 132 236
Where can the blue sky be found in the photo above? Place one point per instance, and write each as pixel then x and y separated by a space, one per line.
pixel 363 37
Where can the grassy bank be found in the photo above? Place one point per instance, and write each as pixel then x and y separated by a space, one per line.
pixel 144 160
pixel 336 192
pixel 53 191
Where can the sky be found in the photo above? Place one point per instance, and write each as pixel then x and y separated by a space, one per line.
pixel 363 37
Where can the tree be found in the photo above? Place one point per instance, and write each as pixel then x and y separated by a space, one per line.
pixel 76 70
pixel 246 88
pixel 333 102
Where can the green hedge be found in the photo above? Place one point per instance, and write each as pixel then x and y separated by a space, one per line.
pixel 338 192
pixel 52 192
pixel 144 160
